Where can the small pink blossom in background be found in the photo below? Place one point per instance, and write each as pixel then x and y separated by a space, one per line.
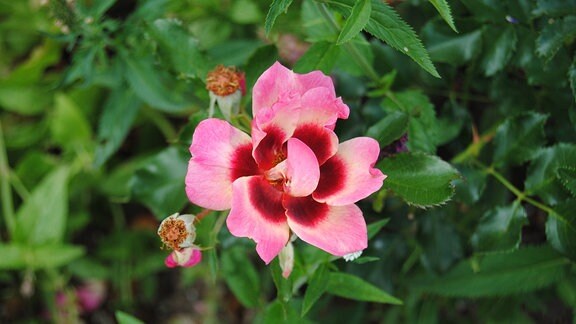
pixel 291 48
pixel 292 175
pixel 187 257
pixel 89 296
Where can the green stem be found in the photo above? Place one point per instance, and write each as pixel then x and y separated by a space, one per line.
pixel 217 226
pixel 18 186
pixel 521 196
pixel 162 123
pixel 349 46
pixel 7 202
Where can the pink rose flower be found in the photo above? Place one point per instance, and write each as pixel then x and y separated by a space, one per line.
pixel 291 174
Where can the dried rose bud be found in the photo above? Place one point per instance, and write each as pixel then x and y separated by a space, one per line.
pixel 177 231
pixel 226 85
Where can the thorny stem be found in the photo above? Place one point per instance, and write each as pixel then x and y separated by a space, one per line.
pixel 350 48
pixel 520 195
pixel 7 203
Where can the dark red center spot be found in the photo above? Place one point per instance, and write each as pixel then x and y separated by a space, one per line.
pixel 317 138
pixel 243 163
pixel 266 200
pixel 306 211
pixel 332 178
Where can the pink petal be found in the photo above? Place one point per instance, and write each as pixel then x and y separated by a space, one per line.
pixel 194 259
pixel 257 213
pixel 170 261
pixel 320 106
pixel 274 85
pixel 316 79
pixel 187 257
pixel 303 172
pixel 338 230
pixel 220 155
pixel 350 174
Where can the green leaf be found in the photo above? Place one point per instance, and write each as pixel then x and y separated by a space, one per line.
pixel 375 227
pixel 94 9
pixel 317 28
pixel 42 217
pixel 116 120
pixel 554 35
pixel 519 138
pixel 180 47
pixel 69 127
pixel 423 125
pixel 30 72
pixel 572 76
pixel 278 312
pixel 320 56
pixel 159 184
pixel 17 256
pixel 500 45
pixel 245 12
pixel 567 176
pixel 52 256
pixel 125 318
pixel 346 61
pixel 25 100
pixel 440 241
pixel 500 229
pixel 390 128
pixel 316 288
pixel 241 276
pixel 357 20
pixel 386 25
pixel 13 257
pixel 486 10
pixel 456 50
pixel 472 186
pixel 277 7
pixel 561 232
pixel 349 286
pixel 151 86
pixel 542 177
pixel 444 11
pixel 366 259
pixel 504 274
pixel 553 8
pixel 420 179
pixel 89 268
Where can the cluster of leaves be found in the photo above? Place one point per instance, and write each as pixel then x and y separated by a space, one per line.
pixel 472 101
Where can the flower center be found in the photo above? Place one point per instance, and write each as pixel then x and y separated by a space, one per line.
pixel 173 233
pixel 277 175
pixel 223 81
